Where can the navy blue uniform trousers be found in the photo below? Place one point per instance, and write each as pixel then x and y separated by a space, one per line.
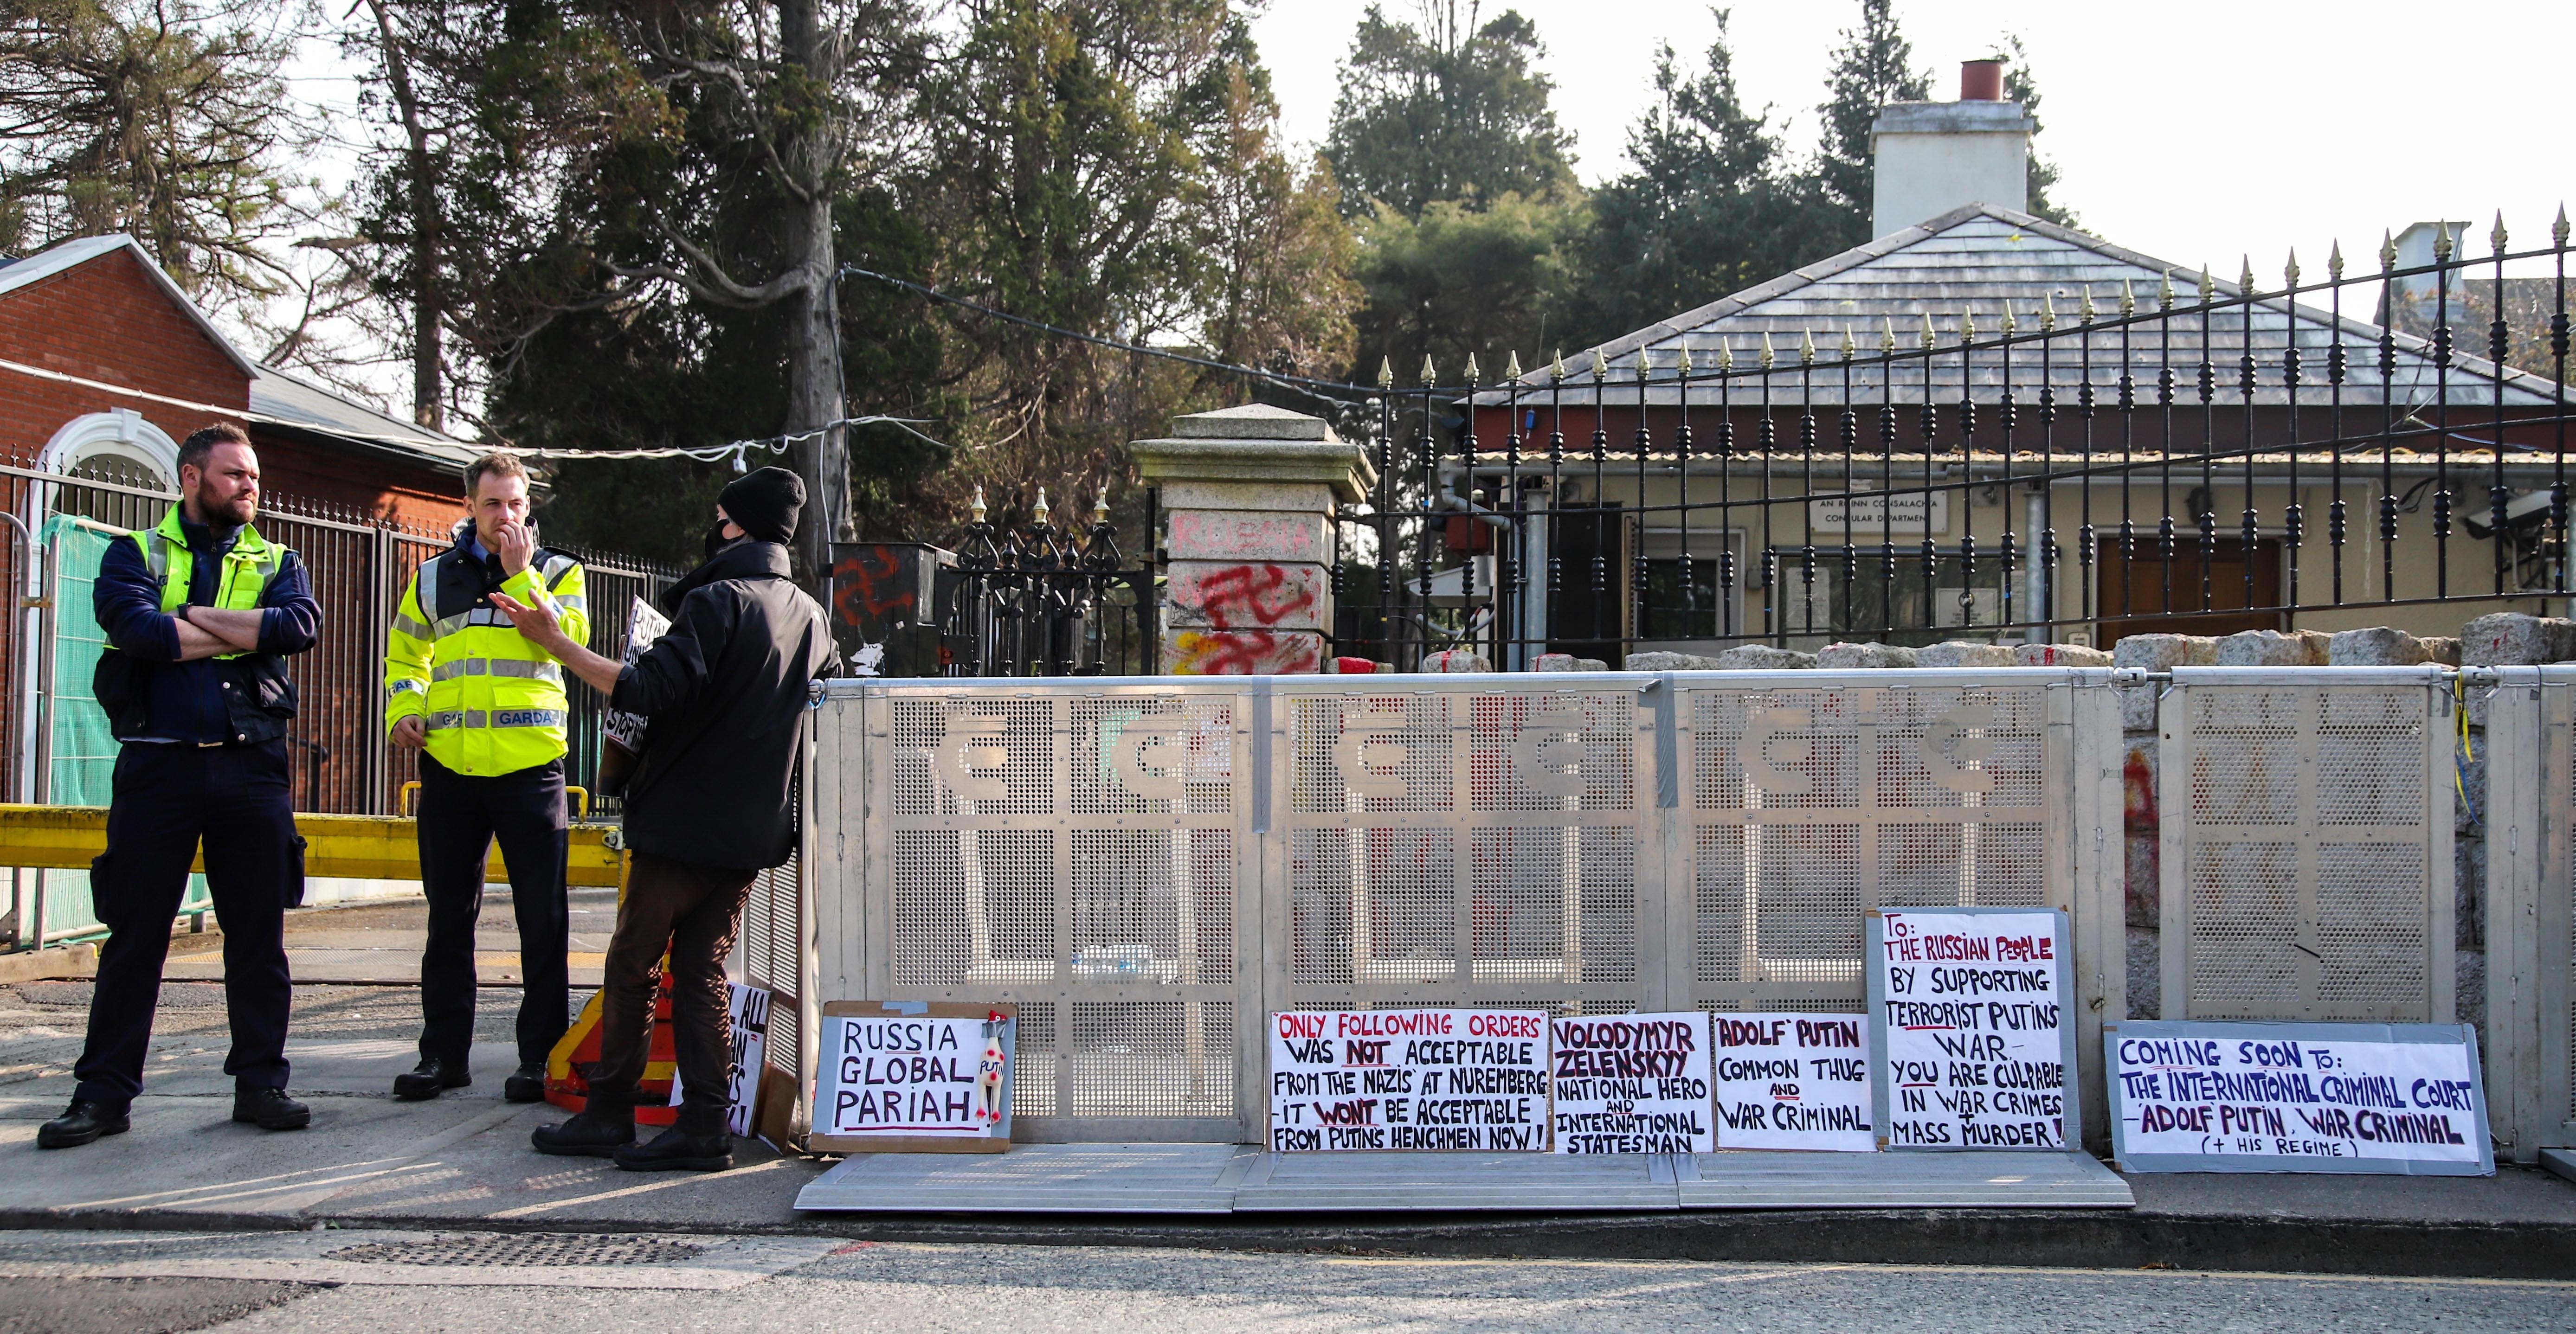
pixel 460 818
pixel 167 798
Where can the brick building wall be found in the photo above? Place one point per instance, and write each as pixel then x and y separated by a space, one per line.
pixel 109 320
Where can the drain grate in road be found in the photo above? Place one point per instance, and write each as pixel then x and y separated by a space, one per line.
pixel 544 1248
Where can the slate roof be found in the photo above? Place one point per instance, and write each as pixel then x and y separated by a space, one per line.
pixel 1975 260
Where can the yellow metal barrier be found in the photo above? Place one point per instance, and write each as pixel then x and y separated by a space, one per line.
pixel 355 847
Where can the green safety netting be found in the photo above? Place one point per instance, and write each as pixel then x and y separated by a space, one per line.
pixel 81 750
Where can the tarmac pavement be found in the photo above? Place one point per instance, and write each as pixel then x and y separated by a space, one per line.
pixel 463 1161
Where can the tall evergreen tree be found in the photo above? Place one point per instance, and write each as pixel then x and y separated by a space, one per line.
pixel 1873 67
pixel 1448 109
pixel 167 120
pixel 1711 207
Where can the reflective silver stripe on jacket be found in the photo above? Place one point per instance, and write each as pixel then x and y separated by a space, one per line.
pixel 404 623
pixel 448 625
pixel 519 667
pixel 497 718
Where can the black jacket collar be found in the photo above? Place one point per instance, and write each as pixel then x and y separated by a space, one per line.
pixel 745 559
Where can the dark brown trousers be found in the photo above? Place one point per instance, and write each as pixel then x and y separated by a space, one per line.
pixel 693 912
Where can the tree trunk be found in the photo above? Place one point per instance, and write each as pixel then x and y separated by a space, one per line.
pixel 428 390
pixel 814 400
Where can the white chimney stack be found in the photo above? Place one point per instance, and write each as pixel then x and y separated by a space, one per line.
pixel 1937 156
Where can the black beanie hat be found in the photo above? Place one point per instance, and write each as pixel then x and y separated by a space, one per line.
pixel 765 503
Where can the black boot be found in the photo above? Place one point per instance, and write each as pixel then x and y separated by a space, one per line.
pixel 79 1124
pixel 598 1132
pixel 678 1148
pixel 270 1109
pixel 430 1078
pixel 528 1085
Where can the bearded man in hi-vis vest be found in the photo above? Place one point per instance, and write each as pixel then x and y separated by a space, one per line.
pixel 200 613
pixel 486 710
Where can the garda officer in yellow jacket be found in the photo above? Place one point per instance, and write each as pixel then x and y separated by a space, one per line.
pixel 487 711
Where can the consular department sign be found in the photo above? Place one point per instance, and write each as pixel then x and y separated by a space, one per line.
pixel 1874 512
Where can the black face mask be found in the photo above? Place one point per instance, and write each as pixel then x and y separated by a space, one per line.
pixel 716 540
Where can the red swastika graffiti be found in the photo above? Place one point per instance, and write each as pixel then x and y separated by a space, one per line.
pixel 1248 596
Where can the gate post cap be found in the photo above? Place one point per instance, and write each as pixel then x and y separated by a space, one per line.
pixel 1256 443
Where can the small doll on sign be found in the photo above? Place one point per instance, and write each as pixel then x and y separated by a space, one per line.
pixel 988 1071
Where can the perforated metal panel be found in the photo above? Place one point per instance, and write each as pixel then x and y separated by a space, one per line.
pixel 1073 848
pixel 1451 842
pixel 770 953
pixel 1805 805
pixel 2306 825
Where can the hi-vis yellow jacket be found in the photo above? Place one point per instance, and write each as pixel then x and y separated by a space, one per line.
pixel 493 703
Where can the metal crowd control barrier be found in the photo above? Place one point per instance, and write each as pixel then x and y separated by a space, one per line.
pixel 1148 866
pixel 2530 815
pixel 2306 825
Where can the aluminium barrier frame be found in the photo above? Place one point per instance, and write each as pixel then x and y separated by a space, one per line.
pixel 2530 815
pixel 1149 866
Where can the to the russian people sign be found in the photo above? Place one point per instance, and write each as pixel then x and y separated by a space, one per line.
pixel 1967 1011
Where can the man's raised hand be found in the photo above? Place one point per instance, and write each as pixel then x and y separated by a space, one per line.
pixel 538 623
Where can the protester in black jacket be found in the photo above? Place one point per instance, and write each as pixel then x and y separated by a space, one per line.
pixel 725 689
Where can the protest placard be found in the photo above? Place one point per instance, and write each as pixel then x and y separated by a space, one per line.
pixel 1967 1011
pixel 1793 1081
pixel 749 1011
pixel 2402 1099
pixel 1631 1083
pixel 1408 1079
pixel 914 1077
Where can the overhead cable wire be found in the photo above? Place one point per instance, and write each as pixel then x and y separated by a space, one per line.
pixel 734 449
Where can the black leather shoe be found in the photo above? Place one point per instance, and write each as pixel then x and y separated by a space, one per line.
pixel 432 1077
pixel 270 1109
pixel 79 1124
pixel 583 1136
pixel 677 1149
pixel 528 1085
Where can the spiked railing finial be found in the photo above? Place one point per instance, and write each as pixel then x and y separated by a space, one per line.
pixel 1886 336
pixel 1600 365
pixel 2334 262
pixel 1386 373
pixel 1806 347
pixel 2290 271
pixel 1429 375
pixel 2441 242
pixel 2387 251
pixel 2558 229
pixel 1471 370
pixel 1682 362
pixel 2164 291
pixel 2208 286
pixel 976 510
pixel 2496 238
pixel 1767 357
pixel 1512 366
pixel 2128 298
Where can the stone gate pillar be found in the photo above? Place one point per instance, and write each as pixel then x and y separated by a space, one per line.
pixel 1249 493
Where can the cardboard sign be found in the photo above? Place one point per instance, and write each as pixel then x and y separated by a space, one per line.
pixel 1793 1081
pixel 749 1012
pixel 2289 1097
pixel 1967 1011
pixel 1408 1079
pixel 1631 1083
pixel 645 623
pixel 914 1076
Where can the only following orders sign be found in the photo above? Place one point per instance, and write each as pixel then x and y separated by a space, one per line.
pixel 1967 1011
pixel 2289 1097
pixel 1408 1079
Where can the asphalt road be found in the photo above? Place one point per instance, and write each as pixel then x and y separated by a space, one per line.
pixel 71 1284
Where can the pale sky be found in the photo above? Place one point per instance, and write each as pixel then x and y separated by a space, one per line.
pixel 2193 130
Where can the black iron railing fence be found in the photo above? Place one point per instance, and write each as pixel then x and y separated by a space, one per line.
pixel 1042 599
pixel 2123 450
pixel 359 566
